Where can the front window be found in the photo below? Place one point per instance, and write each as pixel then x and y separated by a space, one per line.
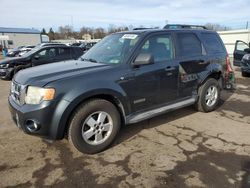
pixel 160 46
pixel 113 49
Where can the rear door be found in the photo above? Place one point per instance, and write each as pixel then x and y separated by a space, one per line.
pixel 192 61
pixel 241 48
pixel 76 52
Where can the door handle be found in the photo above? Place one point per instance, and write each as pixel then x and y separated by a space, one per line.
pixel 169 68
pixel 128 76
pixel 202 62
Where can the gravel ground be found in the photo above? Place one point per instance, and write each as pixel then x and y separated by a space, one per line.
pixel 180 149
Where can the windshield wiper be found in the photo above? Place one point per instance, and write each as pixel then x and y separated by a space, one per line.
pixel 90 59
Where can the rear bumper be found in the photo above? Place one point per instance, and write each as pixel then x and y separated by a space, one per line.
pixel 46 115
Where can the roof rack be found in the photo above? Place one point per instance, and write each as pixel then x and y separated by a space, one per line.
pixel 141 28
pixel 181 26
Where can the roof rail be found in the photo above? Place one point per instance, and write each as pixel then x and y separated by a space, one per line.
pixel 141 28
pixel 181 26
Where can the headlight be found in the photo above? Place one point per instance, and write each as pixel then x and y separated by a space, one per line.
pixel 35 95
pixel 5 66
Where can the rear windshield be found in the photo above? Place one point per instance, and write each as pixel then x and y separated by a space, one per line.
pixel 212 43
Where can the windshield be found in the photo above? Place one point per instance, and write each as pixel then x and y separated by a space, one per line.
pixel 32 51
pixel 113 49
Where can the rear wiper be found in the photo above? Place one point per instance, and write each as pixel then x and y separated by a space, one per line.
pixel 90 59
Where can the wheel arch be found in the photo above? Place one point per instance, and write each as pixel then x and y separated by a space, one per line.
pixel 115 98
pixel 218 75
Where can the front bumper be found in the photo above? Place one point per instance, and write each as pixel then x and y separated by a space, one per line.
pixel 47 115
pixel 245 68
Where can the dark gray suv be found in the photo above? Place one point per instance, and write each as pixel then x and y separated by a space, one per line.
pixel 126 78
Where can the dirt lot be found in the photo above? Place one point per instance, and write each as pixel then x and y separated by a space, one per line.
pixel 181 149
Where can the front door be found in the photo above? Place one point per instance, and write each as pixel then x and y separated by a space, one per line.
pixel 241 48
pixel 44 56
pixel 149 86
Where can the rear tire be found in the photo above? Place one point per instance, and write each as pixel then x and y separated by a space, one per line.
pixel 208 96
pixel 94 126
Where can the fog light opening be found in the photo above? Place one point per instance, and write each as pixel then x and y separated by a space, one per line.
pixel 32 126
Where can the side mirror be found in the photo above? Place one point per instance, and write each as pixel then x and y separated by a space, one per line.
pixel 144 59
pixel 36 57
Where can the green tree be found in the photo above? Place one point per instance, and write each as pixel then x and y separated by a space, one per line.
pixel 44 32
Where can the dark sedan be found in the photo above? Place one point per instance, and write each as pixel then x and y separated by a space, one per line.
pixel 44 55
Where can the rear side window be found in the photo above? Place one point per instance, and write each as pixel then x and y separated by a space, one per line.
pixel 188 45
pixel 64 52
pixel 77 52
pixel 212 43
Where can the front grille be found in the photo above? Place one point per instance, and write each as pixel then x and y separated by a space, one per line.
pixel 18 92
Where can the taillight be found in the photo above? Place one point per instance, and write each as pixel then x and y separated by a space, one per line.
pixel 228 64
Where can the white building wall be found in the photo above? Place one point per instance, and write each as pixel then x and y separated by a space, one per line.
pixel 230 37
pixel 22 39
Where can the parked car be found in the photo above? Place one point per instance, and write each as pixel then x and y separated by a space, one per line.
pixel 50 44
pixel 19 51
pixel 126 78
pixel 14 52
pixel 87 45
pixel 38 56
pixel 245 65
pixel 76 44
pixel 241 48
pixel 25 49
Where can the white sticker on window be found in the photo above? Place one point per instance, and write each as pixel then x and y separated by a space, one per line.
pixel 129 36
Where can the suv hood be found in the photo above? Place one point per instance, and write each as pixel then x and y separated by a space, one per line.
pixel 10 60
pixel 42 75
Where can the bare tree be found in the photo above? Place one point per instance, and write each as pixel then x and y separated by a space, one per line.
pixel 217 27
pixel 65 31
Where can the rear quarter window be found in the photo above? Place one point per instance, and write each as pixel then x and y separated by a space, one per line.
pixel 212 43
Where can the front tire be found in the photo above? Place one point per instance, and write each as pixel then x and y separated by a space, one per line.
pixel 209 96
pixel 94 126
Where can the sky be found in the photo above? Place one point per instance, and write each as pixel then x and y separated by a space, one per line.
pixel 101 13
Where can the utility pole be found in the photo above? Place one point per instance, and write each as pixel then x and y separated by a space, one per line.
pixel 247 25
pixel 72 22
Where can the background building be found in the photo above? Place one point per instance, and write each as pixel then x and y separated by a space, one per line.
pixel 14 37
pixel 230 37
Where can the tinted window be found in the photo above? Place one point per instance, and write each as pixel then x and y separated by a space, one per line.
pixel 212 43
pixel 160 47
pixel 47 54
pixel 64 52
pixel 188 45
